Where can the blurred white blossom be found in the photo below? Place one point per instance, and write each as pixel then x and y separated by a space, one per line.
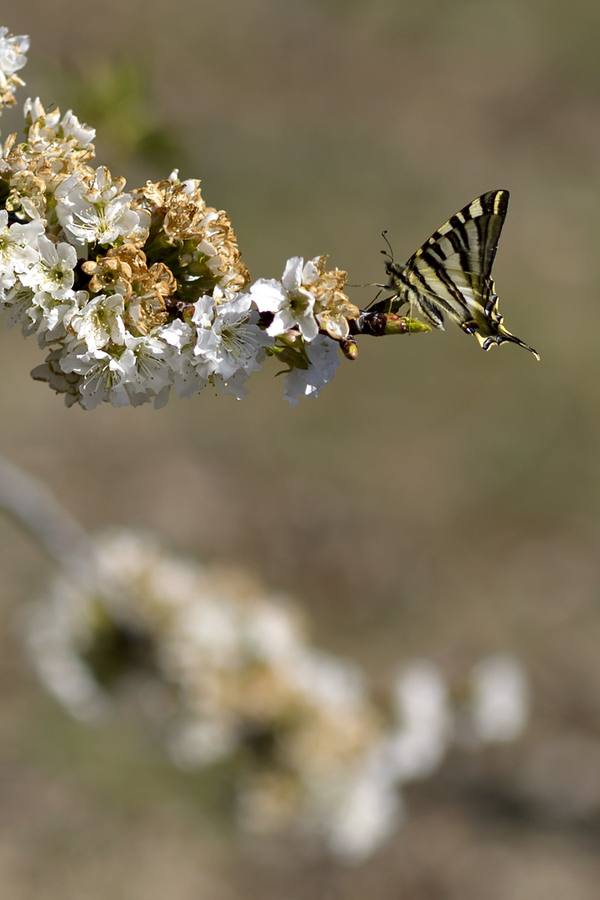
pixel 499 707
pixel 226 671
pixel 425 721
pixel 366 816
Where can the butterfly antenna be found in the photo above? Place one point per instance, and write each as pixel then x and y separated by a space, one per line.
pixel 389 252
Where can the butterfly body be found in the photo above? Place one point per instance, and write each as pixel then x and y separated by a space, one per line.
pixel 450 275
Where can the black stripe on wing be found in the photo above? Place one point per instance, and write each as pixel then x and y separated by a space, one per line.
pixel 456 261
pixel 471 246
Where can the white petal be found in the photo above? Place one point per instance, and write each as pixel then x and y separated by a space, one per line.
pixel 268 295
pixel 310 273
pixel 292 274
pixel 308 326
pixel 282 322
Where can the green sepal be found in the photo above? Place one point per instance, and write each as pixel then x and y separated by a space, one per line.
pixel 290 351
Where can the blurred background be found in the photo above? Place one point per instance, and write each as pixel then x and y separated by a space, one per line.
pixel 434 501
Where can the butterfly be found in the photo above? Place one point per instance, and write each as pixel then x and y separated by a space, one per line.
pixel 451 274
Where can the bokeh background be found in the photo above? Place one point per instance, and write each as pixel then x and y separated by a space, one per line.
pixel 434 500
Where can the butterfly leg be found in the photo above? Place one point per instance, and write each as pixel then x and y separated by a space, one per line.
pixel 400 302
pixel 381 287
pixel 387 305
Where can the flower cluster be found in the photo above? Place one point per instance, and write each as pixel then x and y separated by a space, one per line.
pixel 226 671
pixel 136 293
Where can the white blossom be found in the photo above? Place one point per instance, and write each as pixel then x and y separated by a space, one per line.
pixel 146 369
pixel 97 213
pixel 102 375
pixel 72 129
pixel 229 338
pixel 16 308
pixel 289 300
pixel 53 272
pixel 324 359
pixel 100 321
pixel 34 111
pixel 136 293
pixel 190 374
pixel 13 56
pixel 65 383
pixel 13 50
pixel 52 316
pixel 18 248
pixel 178 334
pixel 47 126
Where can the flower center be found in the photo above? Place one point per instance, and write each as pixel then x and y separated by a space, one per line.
pixel 299 302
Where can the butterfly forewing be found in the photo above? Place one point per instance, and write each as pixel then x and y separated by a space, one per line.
pixel 471 235
pixel 453 266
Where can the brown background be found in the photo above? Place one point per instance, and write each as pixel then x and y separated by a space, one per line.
pixel 434 500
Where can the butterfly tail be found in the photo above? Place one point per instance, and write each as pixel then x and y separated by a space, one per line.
pixel 505 337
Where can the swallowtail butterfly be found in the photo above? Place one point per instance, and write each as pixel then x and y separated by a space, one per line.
pixel 451 274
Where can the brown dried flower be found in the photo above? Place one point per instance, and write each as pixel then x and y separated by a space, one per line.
pixel 208 250
pixel 110 274
pixel 147 307
pixel 332 306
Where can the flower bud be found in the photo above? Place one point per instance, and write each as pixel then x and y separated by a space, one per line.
pixel 395 324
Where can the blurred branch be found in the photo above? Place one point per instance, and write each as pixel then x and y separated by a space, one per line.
pixel 29 503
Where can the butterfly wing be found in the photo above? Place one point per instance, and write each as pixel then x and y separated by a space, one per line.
pixel 451 273
pixel 454 265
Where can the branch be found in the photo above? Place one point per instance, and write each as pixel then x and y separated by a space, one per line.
pixel 29 503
